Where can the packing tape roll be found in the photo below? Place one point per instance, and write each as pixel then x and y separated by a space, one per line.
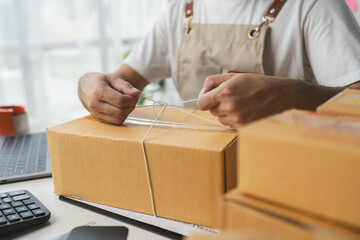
pixel 13 120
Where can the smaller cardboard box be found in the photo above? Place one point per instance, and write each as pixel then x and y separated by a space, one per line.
pixel 346 103
pixel 304 160
pixel 189 168
pixel 242 215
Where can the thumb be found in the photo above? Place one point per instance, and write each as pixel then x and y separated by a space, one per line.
pixel 123 86
pixel 213 82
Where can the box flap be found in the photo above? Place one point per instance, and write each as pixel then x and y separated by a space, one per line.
pixel 312 128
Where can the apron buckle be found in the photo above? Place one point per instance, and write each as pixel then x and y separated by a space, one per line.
pixel 188 28
pixel 255 32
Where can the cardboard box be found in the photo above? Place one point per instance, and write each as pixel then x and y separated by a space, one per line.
pixel 346 103
pixel 189 168
pixel 261 220
pixel 304 160
pixel 257 235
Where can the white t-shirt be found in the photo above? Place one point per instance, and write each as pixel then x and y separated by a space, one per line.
pixel 313 40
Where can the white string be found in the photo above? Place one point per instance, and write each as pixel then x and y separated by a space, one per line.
pixel 145 158
pixel 160 103
pixel 158 116
pixel 198 116
pixel 173 106
pixel 148 122
pixel 187 101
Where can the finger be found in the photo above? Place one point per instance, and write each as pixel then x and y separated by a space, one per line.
pixel 208 100
pixel 217 111
pixel 119 113
pixel 123 86
pixel 230 121
pixel 107 119
pixel 225 119
pixel 117 99
pixel 212 82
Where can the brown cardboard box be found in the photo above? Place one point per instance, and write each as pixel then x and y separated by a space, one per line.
pixel 242 235
pixel 258 235
pixel 256 219
pixel 304 160
pixel 189 168
pixel 347 103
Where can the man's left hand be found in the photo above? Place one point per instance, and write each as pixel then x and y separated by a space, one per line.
pixel 238 98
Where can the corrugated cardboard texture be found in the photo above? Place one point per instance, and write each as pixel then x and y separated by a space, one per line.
pixel 240 212
pixel 304 160
pixel 347 103
pixel 104 163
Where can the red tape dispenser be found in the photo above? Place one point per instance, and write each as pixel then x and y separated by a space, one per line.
pixel 13 120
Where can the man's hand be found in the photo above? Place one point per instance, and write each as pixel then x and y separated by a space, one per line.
pixel 241 98
pixel 107 97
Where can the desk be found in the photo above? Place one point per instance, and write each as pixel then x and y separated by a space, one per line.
pixel 64 216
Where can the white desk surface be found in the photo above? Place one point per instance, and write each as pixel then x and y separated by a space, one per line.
pixel 65 216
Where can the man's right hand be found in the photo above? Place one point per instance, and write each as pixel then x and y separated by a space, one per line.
pixel 107 97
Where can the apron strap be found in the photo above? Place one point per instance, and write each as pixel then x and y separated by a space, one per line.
pixel 271 13
pixel 254 33
pixel 275 9
pixel 189 8
pixel 268 17
pixel 188 17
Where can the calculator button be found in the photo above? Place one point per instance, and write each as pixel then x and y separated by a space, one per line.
pixel 16 204
pixel 7 200
pixel 8 211
pixel 32 206
pixel 38 212
pixel 21 197
pixel 5 206
pixel 3 195
pixel 13 218
pixel 21 209
pixel 3 220
pixel 26 215
pixel 15 193
pixel 28 201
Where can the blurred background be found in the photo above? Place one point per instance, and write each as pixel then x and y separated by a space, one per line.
pixel 46 45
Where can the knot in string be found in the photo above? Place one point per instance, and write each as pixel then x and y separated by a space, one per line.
pixel 158 103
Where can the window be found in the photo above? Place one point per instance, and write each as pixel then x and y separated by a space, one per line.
pixel 46 45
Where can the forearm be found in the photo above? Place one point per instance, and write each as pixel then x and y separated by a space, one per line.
pixel 128 74
pixel 238 98
pixel 309 96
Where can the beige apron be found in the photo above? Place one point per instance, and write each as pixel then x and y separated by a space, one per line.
pixel 209 49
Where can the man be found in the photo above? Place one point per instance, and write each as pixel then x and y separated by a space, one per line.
pixel 301 54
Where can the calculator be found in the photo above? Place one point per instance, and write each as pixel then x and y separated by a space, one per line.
pixel 19 210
